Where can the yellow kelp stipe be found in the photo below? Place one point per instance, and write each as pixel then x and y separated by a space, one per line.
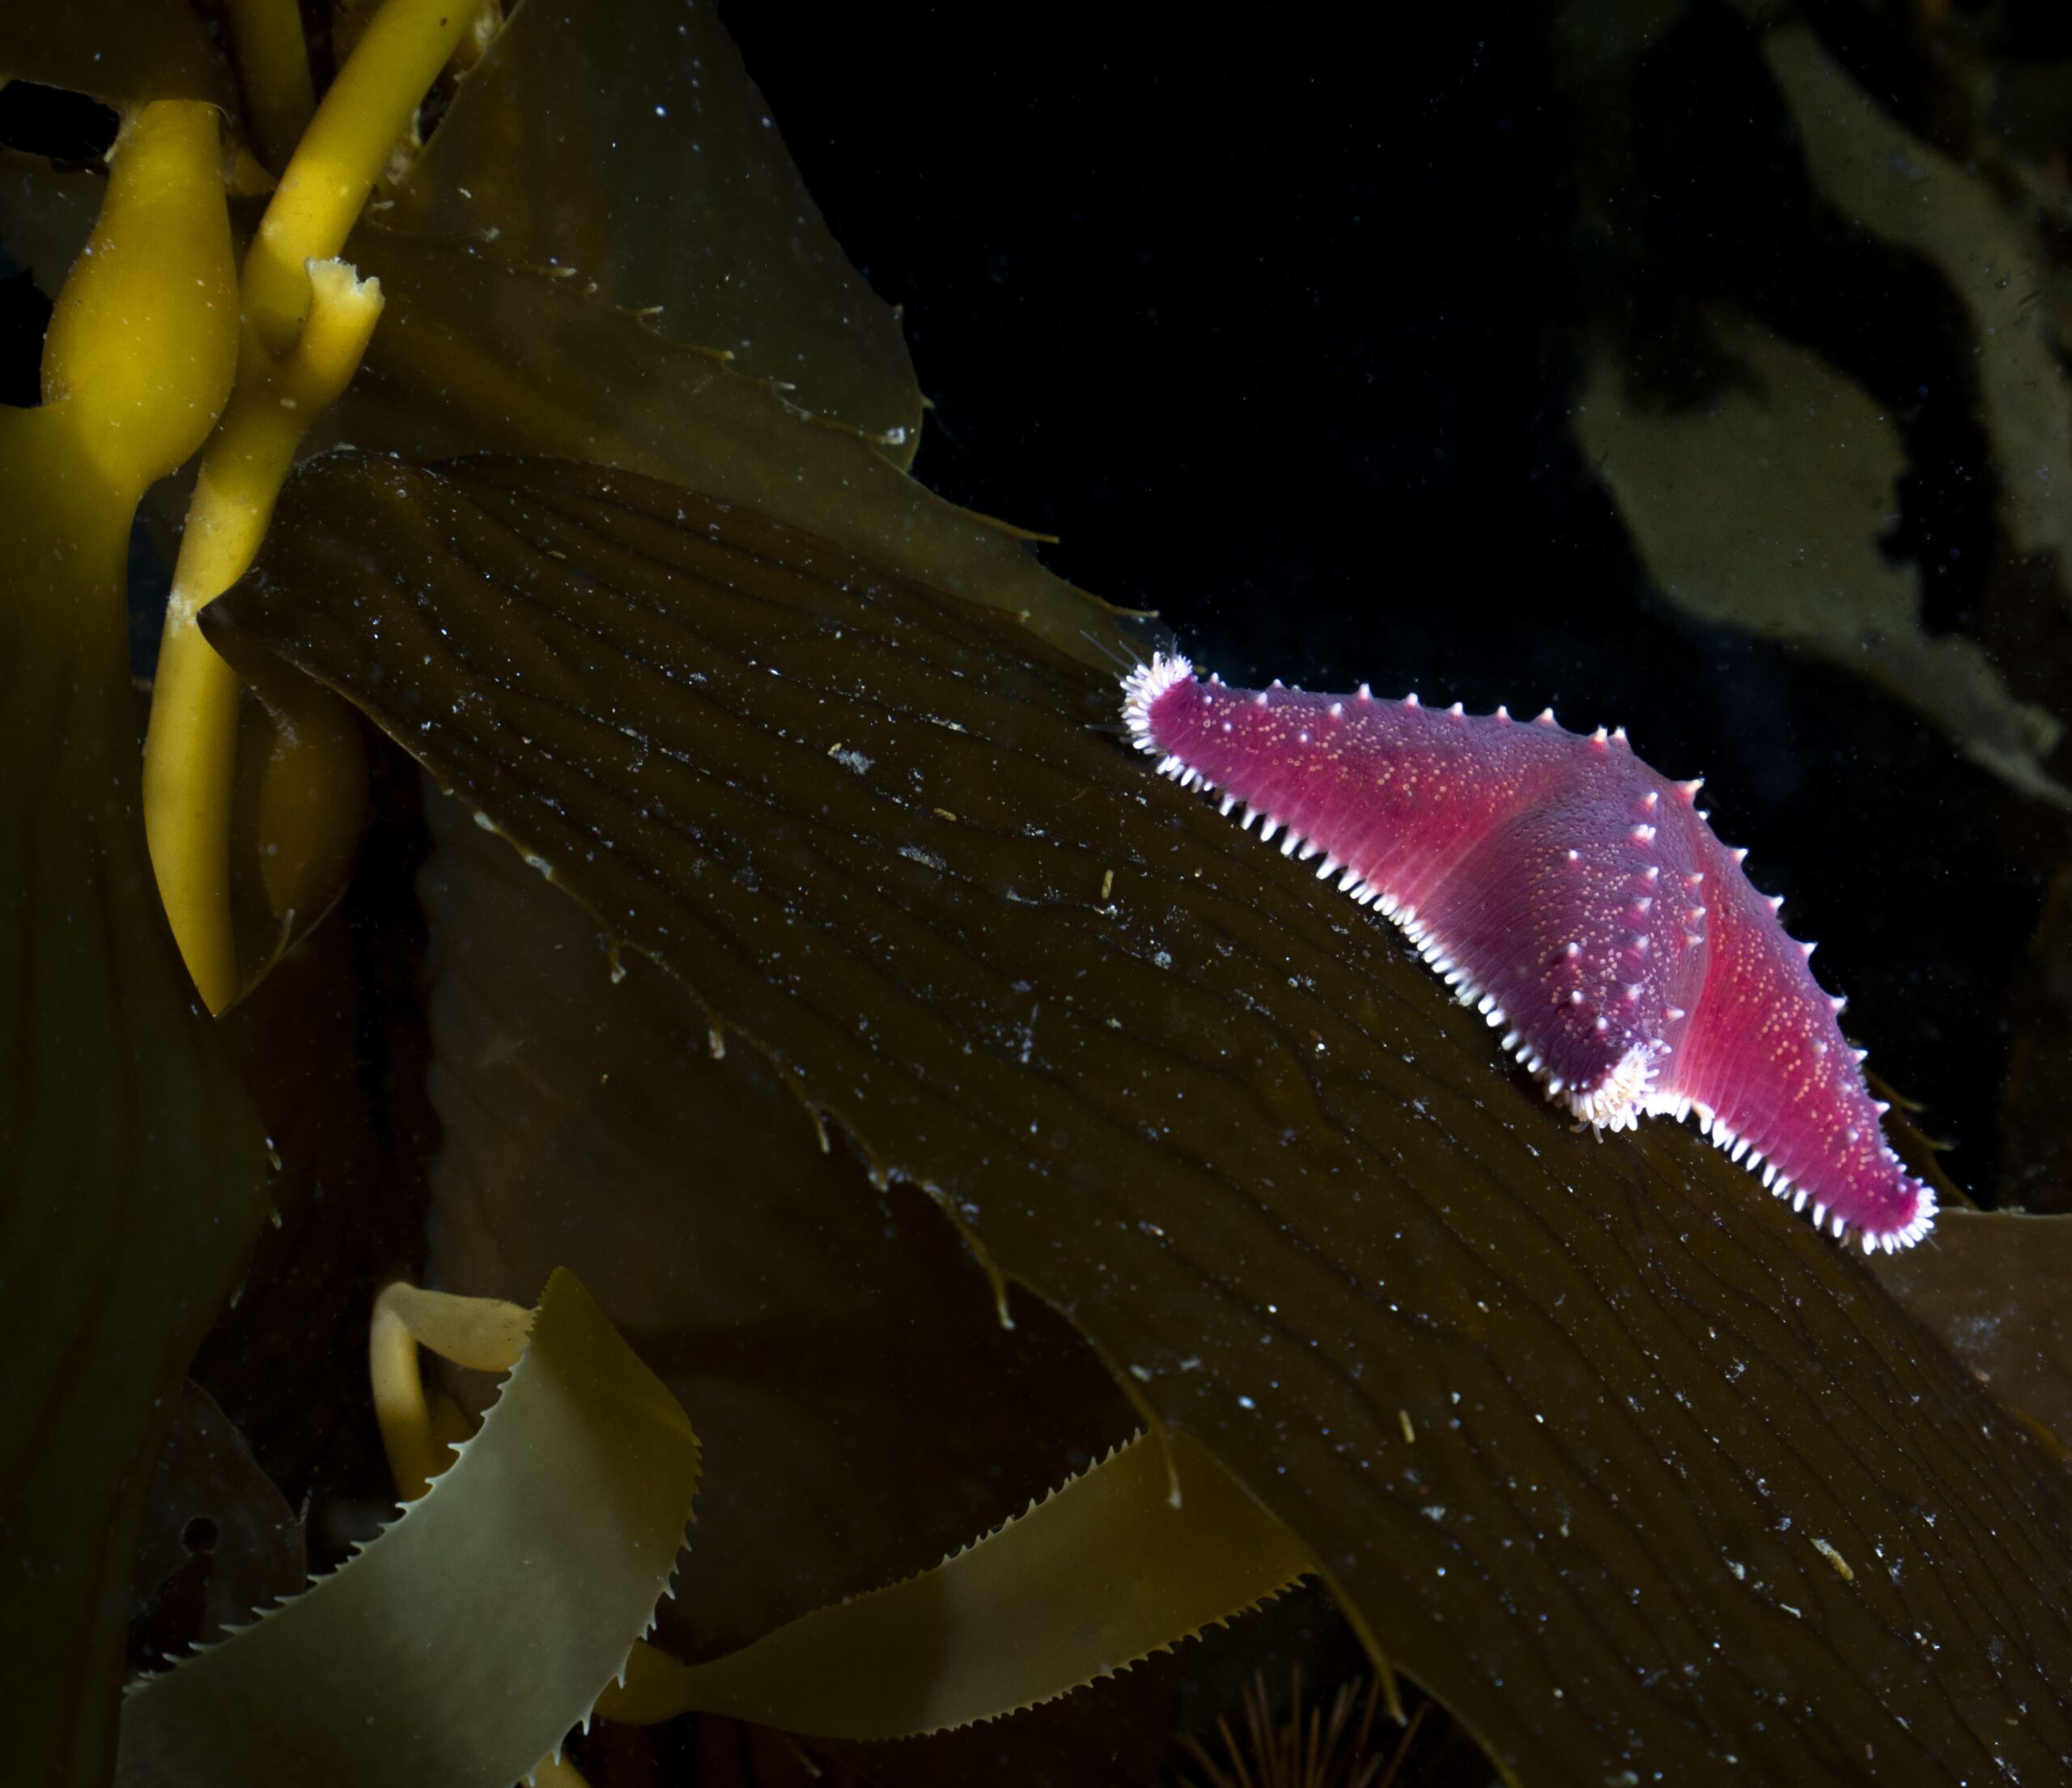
pixel 459 1646
pixel 272 63
pixel 1096 1577
pixel 306 319
pixel 141 345
pixel 132 1183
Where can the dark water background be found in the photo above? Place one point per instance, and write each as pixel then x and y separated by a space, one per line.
pixel 1277 328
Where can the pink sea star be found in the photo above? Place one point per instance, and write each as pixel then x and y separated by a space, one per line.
pixel 1578 899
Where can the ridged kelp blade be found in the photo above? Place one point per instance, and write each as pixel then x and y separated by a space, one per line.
pixel 1597 1440
pixel 861 1406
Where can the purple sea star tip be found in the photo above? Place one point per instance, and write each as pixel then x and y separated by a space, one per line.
pixel 1513 859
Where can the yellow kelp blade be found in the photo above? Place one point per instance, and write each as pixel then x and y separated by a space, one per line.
pixel 461 1645
pixel 1137 1553
pixel 1096 1577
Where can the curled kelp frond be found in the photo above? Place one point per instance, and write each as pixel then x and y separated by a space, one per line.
pixel 1096 1576
pixel 584 1469
pixel 485 1334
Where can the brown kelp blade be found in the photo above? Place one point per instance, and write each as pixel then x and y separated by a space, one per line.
pixel 134 1173
pixel 462 1644
pixel 624 150
pixel 473 357
pixel 1578 1429
pixel 828 1338
pixel 1138 1552
pixel 1995 1287
pixel 123 51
